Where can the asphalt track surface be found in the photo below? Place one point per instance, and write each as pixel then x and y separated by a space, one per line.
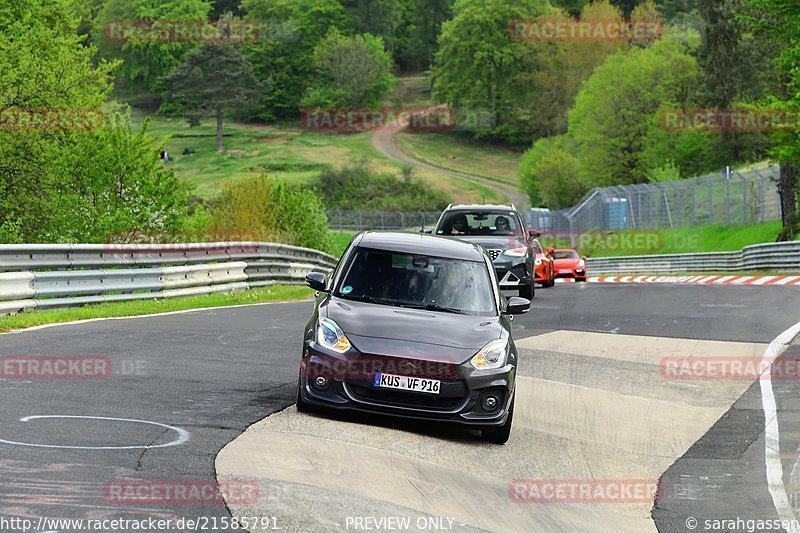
pixel 210 374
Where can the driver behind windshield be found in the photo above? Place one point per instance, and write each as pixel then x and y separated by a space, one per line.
pixel 459 225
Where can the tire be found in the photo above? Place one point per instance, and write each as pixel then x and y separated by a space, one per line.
pixel 527 291
pixel 302 405
pixel 500 435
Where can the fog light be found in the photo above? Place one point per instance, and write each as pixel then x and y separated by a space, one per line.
pixel 490 402
pixel 321 382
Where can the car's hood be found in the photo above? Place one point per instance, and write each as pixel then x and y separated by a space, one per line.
pixel 567 263
pixel 387 330
pixel 495 242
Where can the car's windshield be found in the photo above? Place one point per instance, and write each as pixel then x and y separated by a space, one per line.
pixel 569 254
pixel 478 223
pixel 434 283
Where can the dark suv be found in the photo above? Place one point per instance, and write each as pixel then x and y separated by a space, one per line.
pixel 502 232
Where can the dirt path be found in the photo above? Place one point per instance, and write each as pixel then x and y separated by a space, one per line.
pixel 385 142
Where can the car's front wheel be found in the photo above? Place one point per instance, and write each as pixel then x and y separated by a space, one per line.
pixel 501 434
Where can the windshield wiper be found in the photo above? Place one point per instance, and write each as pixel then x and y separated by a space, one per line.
pixel 372 300
pixel 435 307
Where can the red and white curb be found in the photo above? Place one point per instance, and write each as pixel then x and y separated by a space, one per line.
pixel 696 280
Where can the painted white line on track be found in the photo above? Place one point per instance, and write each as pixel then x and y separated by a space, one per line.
pixel 167 313
pixel 771 434
pixel 183 435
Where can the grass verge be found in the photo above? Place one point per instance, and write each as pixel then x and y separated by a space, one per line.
pixel 454 152
pixel 148 307
pixel 667 241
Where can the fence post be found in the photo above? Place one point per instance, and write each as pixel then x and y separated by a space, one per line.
pixel 360 221
pixel 710 203
pixel 694 205
pixel 402 220
pixel 383 226
pixel 744 197
pixel 762 191
pixel 727 197
pixel 341 228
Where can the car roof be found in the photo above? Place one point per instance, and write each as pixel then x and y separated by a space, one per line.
pixel 481 207
pixel 565 250
pixel 422 244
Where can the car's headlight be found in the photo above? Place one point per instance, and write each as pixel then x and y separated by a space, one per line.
pixel 491 356
pixel 331 336
pixel 537 262
pixel 517 252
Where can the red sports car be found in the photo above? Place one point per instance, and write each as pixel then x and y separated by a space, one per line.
pixel 568 264
pixel 543 265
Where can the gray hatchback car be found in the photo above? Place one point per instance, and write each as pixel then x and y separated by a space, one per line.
pixel 412 326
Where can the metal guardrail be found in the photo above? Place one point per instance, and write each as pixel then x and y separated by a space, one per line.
pixel 45 276
pixel 779 256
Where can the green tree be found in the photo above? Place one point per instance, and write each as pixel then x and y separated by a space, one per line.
pixel 213 78
pixel 780 20
pixel 351 72
pixel 383 18
pixel 282 57
pixel 478 66
pixel 45 65
pixel 145 61
pixel 559 71
pixel 618 107
pixel 425 19
pixel 111 181
pixel 550 174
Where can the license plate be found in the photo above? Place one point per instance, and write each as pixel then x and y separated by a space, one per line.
pixel 390 381
pixel 565 271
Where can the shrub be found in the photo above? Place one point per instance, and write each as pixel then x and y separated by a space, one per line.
pixel 273 209
pixel 357 187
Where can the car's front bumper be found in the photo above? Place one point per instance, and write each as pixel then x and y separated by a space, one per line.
pixel 512 275
pixel 578 274
pixel 460 399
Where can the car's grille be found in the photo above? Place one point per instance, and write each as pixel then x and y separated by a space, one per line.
pixel 405 399
pixel 494 254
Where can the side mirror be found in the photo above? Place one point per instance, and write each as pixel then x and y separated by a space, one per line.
pixel 517 306
pixel 426 231
pixel 583 257
pixel 316 281
pixel 534 233
pixel 550 251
